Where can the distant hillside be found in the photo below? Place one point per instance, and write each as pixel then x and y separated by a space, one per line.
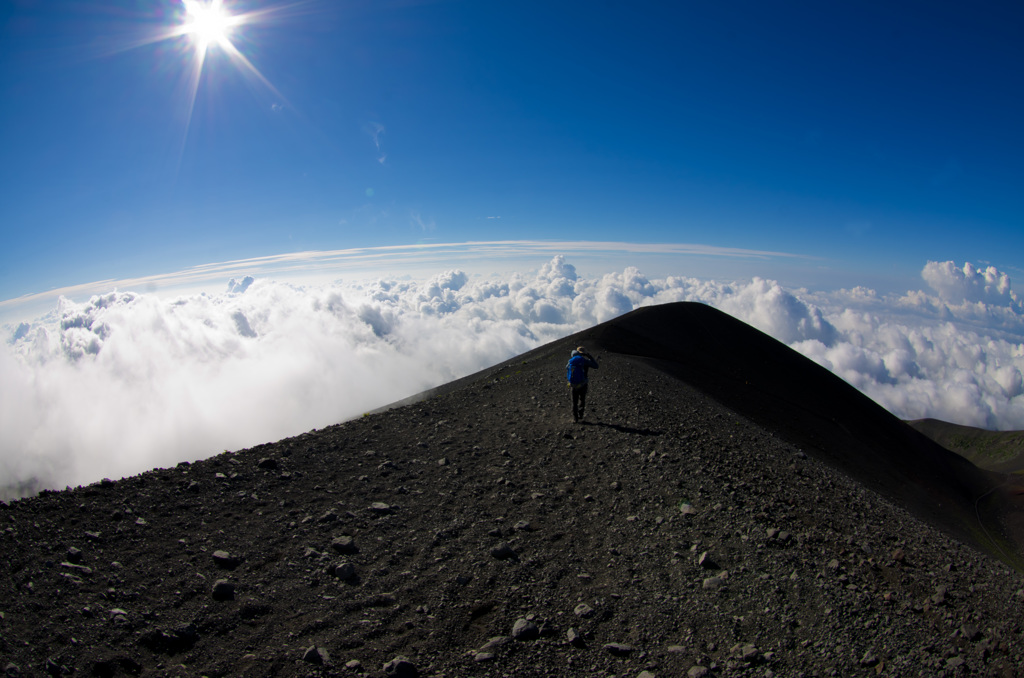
pixel 1000 451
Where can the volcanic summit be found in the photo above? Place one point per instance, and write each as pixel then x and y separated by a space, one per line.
pixel 727 508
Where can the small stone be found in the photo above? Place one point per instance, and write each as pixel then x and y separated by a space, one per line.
pixel 495 642
pixel 400 667
pixel 316 655
pixel 225 560
pixel 345 571
pixel 344 545
pixel 523 526
pixel 80 569
pixel 618 649
pixel 574 638
pixel 645 674
pixel 583 610
pixel 223 590
pixel 970 632
pixel 687 509
pixel 712 583
pixel 833 564
pixel 503 552
pixel 483 657
pixel 869 659
pixel 954 663
pixel 353 664
pixel 74 555
pixel 616 485
pixel 525 629
pixel 899 556
pixel 380 508
pixel 706 562
pixel 698 672
pixel 267 464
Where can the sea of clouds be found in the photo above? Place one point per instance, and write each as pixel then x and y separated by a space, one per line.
pixel 127 381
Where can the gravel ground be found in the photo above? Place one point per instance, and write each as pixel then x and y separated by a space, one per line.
pixel 480 532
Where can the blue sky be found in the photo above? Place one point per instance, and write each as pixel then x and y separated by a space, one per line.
pixel 868 137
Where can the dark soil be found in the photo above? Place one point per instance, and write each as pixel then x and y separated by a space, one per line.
pixel 667 535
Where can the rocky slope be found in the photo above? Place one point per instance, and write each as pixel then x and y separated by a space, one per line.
pixel 479 532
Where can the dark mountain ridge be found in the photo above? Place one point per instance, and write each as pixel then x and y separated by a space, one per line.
pixel 711 517
pixel 807 405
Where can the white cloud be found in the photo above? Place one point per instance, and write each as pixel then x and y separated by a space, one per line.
pixel 128 381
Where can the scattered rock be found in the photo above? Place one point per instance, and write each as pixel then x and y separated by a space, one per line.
pixel 715 582
pixel 574 638
pixel 583 610
pixel 970 632
pixel 400 667
pixel 618 649
pixel 698 672
pixel 380 508
pixel 80 569
pixel 345 571
pixel 503 552
pixel 316 655
pixel 267 464
pixel 495 642
pixel 705 561
pixel 223 590
pixel 225 560
pixel 524 629
pixel 746 652
pixel 344 545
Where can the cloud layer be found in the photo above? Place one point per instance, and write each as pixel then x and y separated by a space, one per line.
pixel 127 381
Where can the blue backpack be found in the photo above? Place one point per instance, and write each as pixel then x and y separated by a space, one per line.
pixel 575 373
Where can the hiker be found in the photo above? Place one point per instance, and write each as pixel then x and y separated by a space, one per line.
pixel 576 370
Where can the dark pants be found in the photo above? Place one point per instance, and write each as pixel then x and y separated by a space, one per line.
pixel 579 401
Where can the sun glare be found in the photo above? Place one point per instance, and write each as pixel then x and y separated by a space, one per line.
pixel 208 23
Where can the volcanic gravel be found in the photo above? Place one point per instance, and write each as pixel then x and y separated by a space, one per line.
pixel 480 532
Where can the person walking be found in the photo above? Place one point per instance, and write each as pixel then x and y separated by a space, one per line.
pixel 576 370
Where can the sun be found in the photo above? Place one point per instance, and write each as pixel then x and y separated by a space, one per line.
pixel 209 24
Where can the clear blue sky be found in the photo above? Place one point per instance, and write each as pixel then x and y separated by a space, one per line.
pixel 875 136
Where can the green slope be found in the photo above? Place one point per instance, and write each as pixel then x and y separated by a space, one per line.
pixel 1000 451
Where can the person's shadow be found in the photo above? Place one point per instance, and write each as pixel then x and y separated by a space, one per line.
pixel 624 429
